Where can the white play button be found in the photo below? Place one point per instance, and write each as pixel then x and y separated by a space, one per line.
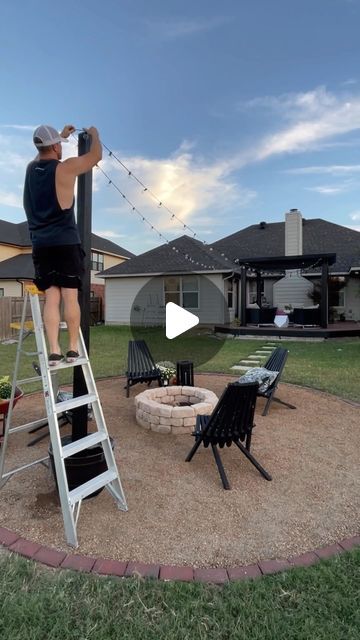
pixel 178 320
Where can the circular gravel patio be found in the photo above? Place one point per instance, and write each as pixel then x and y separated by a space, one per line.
pixel 179 513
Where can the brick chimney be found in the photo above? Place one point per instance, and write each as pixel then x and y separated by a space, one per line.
pixel 293 233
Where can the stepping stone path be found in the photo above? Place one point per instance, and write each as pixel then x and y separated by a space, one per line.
pixel 256 359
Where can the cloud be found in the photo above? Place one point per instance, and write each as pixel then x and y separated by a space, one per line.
pixel 289 105
pixel 349 82
pixel 333 189
pixel 177 28
pixel 355 215
pixel 335 169
pixel 19 127
pixel 184 184
pixel 11 199
pixel 108 233
pixel 327 191
pixel 315 116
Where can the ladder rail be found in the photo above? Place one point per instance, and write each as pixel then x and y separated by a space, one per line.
pixel 13 388
pixel 70 500
pixel 100 420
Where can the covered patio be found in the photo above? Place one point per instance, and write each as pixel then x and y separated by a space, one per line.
pixel 280 265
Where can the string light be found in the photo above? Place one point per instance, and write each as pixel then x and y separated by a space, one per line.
pixel 152 227
pixel 160 204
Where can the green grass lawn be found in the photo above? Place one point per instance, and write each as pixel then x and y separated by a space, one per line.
pixel 318 603
pixel 331 365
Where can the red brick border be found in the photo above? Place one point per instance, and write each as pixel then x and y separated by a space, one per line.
pixel 214 575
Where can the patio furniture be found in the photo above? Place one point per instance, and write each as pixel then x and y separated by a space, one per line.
pixel 231 421
pixel 275 362
pixel 141 365
pixel 307 316
pixel 265 315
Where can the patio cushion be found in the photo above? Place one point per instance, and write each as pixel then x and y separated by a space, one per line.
pixel 263 376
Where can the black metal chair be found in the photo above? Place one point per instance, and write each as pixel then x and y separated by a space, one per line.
pixel 231 421
pixel 141 365
pixel 275 362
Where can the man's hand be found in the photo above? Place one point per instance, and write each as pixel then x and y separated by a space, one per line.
pixel 92 131
pixel 67 130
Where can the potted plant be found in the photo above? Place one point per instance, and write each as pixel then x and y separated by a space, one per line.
pixel 167 371
pixel 5 394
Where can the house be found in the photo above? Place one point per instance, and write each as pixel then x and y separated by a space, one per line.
pixel 187 272
pixel 16 267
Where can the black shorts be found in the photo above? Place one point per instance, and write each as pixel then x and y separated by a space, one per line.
pixel 59 266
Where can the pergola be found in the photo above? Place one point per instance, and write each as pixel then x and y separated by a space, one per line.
pixel 280 264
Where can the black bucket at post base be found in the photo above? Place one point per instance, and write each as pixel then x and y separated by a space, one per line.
pixel 185 373
pixel 82 466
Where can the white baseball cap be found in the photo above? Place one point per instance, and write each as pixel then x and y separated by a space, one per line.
pixel 45 136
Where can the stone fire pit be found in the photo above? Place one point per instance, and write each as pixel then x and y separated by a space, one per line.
pixel 173 409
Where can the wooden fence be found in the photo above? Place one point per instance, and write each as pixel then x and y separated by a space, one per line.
pixel 11 311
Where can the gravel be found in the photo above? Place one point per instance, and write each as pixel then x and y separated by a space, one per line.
pixel 178 511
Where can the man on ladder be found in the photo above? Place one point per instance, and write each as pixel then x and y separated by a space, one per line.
pixel 49 205
pixel 57 252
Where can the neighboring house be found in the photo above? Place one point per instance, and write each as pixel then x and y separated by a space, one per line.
pixel 168 275
pixel 16 267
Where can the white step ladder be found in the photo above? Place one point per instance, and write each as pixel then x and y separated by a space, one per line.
pixel 70 500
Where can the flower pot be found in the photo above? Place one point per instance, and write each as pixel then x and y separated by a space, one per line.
pixel 5 402
pixel 82 466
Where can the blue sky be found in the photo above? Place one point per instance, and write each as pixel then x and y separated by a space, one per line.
pixel 230 113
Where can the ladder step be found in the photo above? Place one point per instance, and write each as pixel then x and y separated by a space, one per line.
pixel 83 443
pixel 67 405
pixel 92 485
pixel 28 380
pixel 67 365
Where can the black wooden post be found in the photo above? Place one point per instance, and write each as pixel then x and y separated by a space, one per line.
pixel 324 303
pixel 258 289
pixel 84 206
pixel 243 297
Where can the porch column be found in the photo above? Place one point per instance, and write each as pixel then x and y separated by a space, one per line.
pixel 243 297
pixel 237 299
pixel 324 295
pixel 258 289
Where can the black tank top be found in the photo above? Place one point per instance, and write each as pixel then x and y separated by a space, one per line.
pixel 49 224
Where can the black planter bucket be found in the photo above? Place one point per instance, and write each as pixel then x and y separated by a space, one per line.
pixel 82 466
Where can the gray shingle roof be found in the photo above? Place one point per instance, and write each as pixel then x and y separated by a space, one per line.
pixel 17 268
pixel 18 235
pixel 319 236
pixel 166 259
pixel 107 246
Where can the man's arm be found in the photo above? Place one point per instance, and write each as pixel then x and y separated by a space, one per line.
pixel 83 164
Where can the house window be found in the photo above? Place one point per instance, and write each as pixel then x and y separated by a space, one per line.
pixel 97 261
pixel 340 302
pixel 229 293
pixel 1 293
pixel 172 290
pixel 253 292
pixel 182 290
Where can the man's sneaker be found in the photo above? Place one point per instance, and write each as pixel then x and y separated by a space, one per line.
pixel 72 356
pixel 55 358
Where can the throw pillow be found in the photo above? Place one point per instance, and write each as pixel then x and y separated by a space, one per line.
pixel 263 376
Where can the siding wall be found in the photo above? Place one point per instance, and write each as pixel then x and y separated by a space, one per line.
pixel 292 289
pixel 11 287
pixel 352 299
pixel 119 297
pixel 120 294
pixel 10 251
